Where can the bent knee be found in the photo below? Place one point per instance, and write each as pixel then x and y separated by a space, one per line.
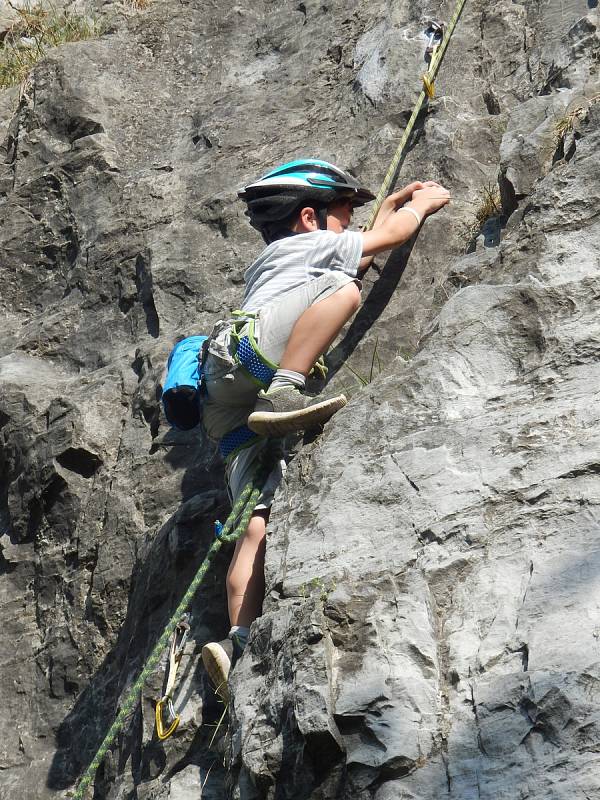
pixel 351 294
pixel 257 528
pixel 256 531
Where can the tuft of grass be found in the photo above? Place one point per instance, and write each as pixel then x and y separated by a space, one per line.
pixel 36 30
pixel 317 587
pixel 139 5
pixel 218 726
pixel 567 123
pixel 488 204
pixel 375 361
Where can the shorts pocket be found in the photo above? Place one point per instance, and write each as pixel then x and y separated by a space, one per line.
pixel 216 368
pixel 219 360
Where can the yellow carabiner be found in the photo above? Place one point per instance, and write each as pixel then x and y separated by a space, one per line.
pixel 162 732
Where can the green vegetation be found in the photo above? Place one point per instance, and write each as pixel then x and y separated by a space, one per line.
pixel 317 587
pixel 375 361
pixel 37 29
pixel 487 204
pixel 568 122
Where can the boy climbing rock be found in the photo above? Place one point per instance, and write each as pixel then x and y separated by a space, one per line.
pixel 300 292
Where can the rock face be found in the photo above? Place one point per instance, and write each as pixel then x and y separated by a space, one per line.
pixel 431 623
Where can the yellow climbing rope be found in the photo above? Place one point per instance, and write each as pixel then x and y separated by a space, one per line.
pixel 428 90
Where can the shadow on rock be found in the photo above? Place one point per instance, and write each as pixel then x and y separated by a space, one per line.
pixel 373 307
pixel 167 563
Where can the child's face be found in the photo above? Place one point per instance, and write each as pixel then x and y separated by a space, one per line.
pixel 339 214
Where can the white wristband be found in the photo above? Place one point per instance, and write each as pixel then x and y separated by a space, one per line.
pixel 415 214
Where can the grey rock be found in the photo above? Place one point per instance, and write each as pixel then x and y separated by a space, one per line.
pixel 430 626
pixel 475 505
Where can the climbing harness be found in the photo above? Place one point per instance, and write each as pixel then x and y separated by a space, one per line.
pixel 428 91
pixel 234 527
pixel 238 520
pixel 236 440
pixel 259 369
pixel 249 355
pixel 247 352
pixel 167 720
pixel 183 389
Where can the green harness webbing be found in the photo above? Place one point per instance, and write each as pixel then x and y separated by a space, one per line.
pixel 236 524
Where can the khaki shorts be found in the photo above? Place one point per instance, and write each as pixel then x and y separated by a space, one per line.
pixel 231 393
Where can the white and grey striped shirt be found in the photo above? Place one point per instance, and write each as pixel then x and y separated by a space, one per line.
pixel 295 260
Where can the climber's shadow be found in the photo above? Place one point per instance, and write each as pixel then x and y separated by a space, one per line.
pixel 372 308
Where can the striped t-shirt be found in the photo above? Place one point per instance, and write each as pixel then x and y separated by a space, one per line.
pixel 295 260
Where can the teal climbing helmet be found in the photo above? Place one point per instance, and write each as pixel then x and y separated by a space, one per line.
pixel 273 199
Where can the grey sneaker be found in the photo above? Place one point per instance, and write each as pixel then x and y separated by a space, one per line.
pixel 286 410
pixel 219 659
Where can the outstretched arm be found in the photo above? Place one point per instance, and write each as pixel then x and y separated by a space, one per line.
pixel 393 227
pixel 389 205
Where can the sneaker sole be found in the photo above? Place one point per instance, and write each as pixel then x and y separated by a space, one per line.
pixel 269 423
pixel 217 665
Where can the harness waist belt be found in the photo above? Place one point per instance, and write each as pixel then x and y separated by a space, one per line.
pixel 246 351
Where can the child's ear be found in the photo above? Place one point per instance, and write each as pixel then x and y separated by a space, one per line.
pixel 308 219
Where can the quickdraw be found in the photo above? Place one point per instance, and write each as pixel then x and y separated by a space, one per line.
pixel 435 34
pixel 234 527
pixel 440 37
pixel 428 91
pixel 166 718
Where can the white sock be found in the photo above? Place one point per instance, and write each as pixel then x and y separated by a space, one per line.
pixel 241 632
pixel 287 378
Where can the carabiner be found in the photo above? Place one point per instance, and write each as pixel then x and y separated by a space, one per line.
pixel 428 85
pixel 435 35
pixel 162 731
pixel 178 642
pixel 180 637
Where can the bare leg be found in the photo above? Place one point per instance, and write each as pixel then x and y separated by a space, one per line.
pixel 318 326
pixel 245 578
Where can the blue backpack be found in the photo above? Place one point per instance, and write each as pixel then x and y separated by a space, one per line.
pixel 182 387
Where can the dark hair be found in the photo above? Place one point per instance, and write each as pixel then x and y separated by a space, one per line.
pixel 273 231
pixel 273 215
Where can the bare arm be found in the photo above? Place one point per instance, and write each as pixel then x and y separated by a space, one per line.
pixel 393 227
pixel 389 205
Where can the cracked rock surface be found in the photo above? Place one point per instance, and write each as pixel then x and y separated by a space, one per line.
pixel 431 625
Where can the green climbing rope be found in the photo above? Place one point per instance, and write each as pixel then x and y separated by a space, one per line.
pixel 236 524
pixel 428 83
